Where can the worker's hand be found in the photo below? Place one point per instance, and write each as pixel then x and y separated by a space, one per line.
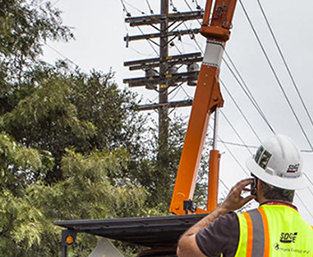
pixel 234 199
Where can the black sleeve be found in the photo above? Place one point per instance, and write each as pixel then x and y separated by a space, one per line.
pixel 221 236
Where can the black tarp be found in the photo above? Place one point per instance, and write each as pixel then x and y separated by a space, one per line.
pixel 161 231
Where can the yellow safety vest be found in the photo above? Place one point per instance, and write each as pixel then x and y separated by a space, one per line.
pixel 274 231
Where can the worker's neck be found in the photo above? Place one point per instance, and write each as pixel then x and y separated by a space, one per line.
pixel 264 200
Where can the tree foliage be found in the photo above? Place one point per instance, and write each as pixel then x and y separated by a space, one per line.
pixel 85 193
pixel 24 27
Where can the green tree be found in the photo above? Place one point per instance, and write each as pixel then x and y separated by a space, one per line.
pixel 157 181
pixel 24 27
pixel 85 193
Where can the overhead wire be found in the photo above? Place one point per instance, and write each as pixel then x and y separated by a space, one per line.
pixel 193 37
pixel 240 145
pixel 52 48
pixel 224 184
pixel 198 7
pixel 149 42
pixel 246 90
pixel 55 3
pixel 258 109
pixel 279 83
pixel 177 89
pixel 236 132
pixel 47 2
pixel 248 93
pixel 310 181
pixel 240 110
pixel 180 52
pixel 66 58
pixel 128 14
pixel 284 61
pixel 304 205
pixel 233 156
pixel 197 43
pixel 134 7
pixel 192 11
pixel 275 74
pixel 188 5
pixel 189 96
pixel 174 9
pixel 149 6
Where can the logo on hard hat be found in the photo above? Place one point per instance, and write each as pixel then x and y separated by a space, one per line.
pixel 262 157
pixel 293 168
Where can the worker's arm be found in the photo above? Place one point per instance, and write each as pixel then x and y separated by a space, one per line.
pixel 187 245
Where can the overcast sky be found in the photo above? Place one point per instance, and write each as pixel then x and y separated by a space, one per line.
pixel 99 29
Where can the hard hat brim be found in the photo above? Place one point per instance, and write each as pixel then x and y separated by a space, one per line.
pixel 284 183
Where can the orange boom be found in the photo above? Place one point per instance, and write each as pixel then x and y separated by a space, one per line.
pixel 207 100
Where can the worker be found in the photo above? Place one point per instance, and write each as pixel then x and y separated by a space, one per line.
pixel 275 228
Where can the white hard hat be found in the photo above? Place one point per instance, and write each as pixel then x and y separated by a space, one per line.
pixel 278 162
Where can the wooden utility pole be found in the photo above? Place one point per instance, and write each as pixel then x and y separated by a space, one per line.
pixel 162 72
pixel 163 88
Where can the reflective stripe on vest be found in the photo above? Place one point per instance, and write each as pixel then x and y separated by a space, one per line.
pixel 252 222
pixel 256 226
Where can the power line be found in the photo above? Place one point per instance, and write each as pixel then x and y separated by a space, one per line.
pixel 176 88
pixel 246 90
pixel 284 61
pixel 47 2
pixel 293 82
pixel 275 75
pixel 193 37
pixel 149 42
pixel 236 132
pixel 304 205
pixel 188 5
pixel 198 7
pixel 224 184
pixel 240 145
pixel 125 9
pixel 134 7
pixel 192 10
pixel 233 156
pixel 178 49
pixel 149 6
pixel 197 43
pixel 55 3
pixel 244 116
pixel 310 181
pixel 255 147
pixel 248 93
pixel 189 97
pixel 58 52
pixel 174 9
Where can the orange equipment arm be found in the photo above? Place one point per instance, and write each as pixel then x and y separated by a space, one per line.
pixel 206 101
